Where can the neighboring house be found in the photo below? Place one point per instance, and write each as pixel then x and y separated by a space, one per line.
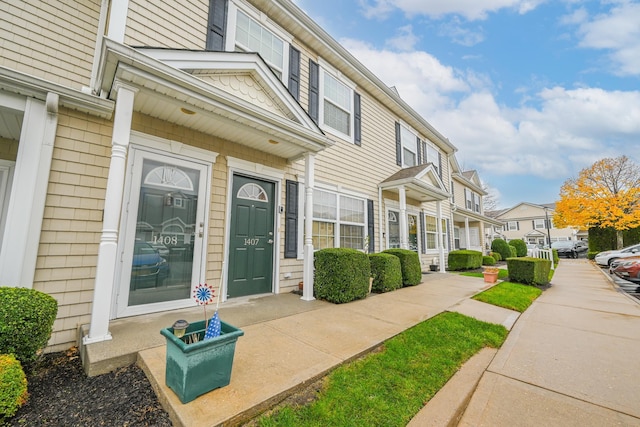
pixel 226 134
pixel 469 219
pixel 532 223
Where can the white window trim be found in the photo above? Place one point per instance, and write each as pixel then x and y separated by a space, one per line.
pixel 542 221
pixel 323 186
pixel 325 68
pixel 262 19
pixel 410 145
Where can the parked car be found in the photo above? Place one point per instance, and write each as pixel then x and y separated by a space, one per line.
pixel 605 258
pixel 149 268
pixel 627 268
pixel 570 248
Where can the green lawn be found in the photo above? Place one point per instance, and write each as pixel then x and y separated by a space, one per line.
pixel 513 296
pixel 389 387
pixel 503 273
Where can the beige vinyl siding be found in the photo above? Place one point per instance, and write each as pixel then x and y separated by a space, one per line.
pixel 72 221
pixel 38 41
pixel 458 188
pixel 170 24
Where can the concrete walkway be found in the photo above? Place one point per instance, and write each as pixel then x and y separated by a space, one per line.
pixel 569 360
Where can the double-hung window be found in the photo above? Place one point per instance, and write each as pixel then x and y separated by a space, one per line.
pixel 539 224
pixel 336 103
pixel 409 147
pixel 338 220
pixel 251 31
pixel 431 232
pixel 431 155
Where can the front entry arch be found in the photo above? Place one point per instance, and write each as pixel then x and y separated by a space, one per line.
pixel 251 237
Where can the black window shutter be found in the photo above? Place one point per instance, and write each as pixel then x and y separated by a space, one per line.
pixel 217 25
pixel 423 239
pixel 453 194
pixel 294 72
pixel 314 90
pixel 357 119
pixel 424 152
pixel 370 227
pixel 448 241
pixel 533 223
pixel 440 164
pixel 418 146
pixel 398 145
pixel 291 220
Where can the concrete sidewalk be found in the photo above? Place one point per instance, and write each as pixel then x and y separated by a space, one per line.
pixel 279 356
pixel 570 360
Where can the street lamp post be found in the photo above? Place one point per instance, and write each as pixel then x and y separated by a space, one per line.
pixel 547 224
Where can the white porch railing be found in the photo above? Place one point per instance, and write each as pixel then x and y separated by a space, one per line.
pixel 542 253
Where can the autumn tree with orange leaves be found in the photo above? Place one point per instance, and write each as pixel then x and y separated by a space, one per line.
pixel 607 194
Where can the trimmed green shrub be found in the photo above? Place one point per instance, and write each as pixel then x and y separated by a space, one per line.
pixel 341 275
pixel 514 252
pixel 488 260
pixel 26 322
pixel 521 247
pixel 502 247
pixel 13 386
pixel 409 265
pixel 386 272
pixel 496 256
pixel 529 270
pixel 592 254
pixel 464 260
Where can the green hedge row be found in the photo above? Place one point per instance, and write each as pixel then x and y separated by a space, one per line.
pixel 342 275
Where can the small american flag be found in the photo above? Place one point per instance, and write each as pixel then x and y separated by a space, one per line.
pixel 213 330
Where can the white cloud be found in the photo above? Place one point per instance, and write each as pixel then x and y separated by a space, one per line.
pixel 569 130
pixel 459 34
pixel 618 31
pixel 470 9
pixel 405 40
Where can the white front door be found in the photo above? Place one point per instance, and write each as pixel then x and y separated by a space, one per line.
pixel 162 235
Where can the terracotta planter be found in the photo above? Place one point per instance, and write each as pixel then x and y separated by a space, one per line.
pixel 195 369
pixel 490 277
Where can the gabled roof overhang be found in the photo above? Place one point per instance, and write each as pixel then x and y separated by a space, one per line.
pixel 170 87
pixel 460 214
pixel 420 182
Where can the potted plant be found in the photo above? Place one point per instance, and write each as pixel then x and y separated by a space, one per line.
pixel 490 274
pixel 199 355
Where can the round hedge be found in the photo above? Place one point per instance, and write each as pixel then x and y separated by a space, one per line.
pixel 386 272
pixel 521 247
pixel 502 247
pixel 13 386
pixel 409 265
pixel 341 275
pixel 26 322
pixel 488 260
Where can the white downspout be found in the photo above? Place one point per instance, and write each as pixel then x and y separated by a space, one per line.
pixel 440 241
pixel 307 272
pixel 380 221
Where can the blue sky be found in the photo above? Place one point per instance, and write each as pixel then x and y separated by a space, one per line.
pixel 530 91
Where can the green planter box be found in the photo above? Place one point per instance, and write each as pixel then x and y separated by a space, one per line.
pixel 195 369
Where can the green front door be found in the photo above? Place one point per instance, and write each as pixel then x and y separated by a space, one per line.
pixel 251 237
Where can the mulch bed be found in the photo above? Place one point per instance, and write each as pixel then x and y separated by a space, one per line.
pixel 60 394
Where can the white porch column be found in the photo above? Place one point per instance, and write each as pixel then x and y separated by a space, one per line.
pixel 29 192
pixel 404 231
pixel 107 253
pixel 307 272
pixel 440 241
pixel 467 235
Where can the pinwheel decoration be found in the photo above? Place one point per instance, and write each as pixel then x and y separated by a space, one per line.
pixel 204 294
